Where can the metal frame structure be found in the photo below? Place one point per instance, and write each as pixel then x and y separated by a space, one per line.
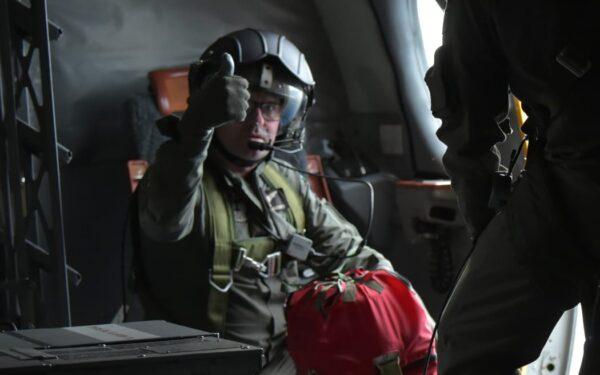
pixel 34 282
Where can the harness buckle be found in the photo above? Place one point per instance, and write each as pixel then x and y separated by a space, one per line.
pixel 243 260
pixel 239 260
pixel 269 267
pixel 224 289
pixel 272 263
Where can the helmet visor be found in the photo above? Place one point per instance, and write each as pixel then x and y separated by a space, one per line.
pixel 288 104
pixel 291 106
pixel 294 103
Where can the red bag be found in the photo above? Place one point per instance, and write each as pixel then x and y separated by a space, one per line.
pixel 347 323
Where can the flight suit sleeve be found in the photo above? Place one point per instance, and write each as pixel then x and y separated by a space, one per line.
pixel 469 93
pixel 332 234
pixel 170 189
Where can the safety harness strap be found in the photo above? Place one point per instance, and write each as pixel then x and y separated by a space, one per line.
pixel 221 227
pixel 293 197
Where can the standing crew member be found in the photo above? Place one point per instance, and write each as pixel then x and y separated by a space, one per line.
pixel 537 256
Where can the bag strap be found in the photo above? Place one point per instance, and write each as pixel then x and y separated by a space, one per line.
pixel 388 364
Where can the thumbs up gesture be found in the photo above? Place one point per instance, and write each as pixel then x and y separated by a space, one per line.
pixel 222 99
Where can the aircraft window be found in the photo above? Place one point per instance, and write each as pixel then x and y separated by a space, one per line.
pixel 431 19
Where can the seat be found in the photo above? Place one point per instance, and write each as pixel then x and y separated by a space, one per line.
pixel 170 88
pixel 318 184
pixel 170 91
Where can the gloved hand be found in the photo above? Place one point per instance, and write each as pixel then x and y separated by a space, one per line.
pixel 221 100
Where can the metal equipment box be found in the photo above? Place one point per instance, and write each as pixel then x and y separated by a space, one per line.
pixel 149 347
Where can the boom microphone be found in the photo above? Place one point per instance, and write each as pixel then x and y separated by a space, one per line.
pixel 260 146
pixel 272 147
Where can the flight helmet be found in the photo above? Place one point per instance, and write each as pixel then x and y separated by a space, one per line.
pixel 272 63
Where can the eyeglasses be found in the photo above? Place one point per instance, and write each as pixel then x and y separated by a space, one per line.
pixel 271 111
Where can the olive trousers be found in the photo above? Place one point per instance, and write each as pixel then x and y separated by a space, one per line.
pixel 536 259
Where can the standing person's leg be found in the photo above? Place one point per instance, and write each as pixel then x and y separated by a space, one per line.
pixel 498 318
pixel 578 182
pixel 506 304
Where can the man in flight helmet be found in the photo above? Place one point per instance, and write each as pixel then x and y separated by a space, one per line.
pixel 228 230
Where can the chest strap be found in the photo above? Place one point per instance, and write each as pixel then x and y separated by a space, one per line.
pixel 296 208
pixel 220 224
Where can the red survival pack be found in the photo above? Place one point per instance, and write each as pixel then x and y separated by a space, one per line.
pixel 360 322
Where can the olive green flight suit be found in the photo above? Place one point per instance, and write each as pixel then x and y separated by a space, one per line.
pixel 177 250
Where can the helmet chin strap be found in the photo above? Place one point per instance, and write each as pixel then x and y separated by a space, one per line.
pixel 240 162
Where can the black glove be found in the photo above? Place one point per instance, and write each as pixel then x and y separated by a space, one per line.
pixel 221 100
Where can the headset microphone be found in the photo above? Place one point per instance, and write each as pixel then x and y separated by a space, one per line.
pixel 260 146
pixel 271 147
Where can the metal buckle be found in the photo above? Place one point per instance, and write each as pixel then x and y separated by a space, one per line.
pixel 240 260
pixel 216 286
pixel 273 265
pixel 243 260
